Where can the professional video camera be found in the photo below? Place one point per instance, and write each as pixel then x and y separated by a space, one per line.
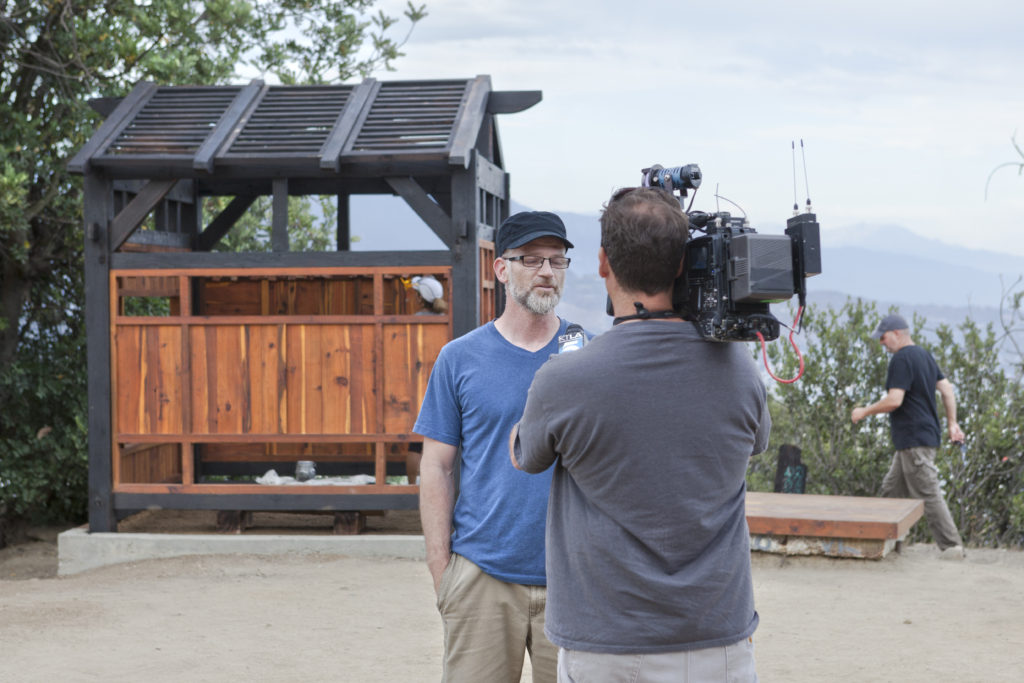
pixel 730 273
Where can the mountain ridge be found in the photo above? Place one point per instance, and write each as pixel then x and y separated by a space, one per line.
pixel 885 263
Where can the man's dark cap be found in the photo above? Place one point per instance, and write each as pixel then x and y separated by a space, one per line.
pixel 526 226
pixel 888 324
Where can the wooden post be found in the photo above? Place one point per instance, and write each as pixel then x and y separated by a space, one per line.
pixel 233 521
pixel 97 213
pixel 465 308
pixel 344 223
pixel 279 229
pixel 349 522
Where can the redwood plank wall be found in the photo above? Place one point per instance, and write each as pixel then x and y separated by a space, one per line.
pixel 328 364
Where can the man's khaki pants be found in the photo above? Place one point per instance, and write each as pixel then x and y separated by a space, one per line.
pixel 489 625
pixel 913 475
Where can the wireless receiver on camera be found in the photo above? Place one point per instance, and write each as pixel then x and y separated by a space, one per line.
pixel 730 273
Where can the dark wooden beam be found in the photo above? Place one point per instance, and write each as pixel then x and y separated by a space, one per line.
pixel 345 127
pixel 491 178
pixel 191 208
pixel 504 209
pixel 97 325
pixel 112 126
pixel 279 227
pixel 220 225
pixel 230 121
pixel 467 124
pixel 105 106
pixel 131 216
pixel 465 304
pixel 512 101
pixel 361 165
pixel 292 259
pixel 344 231
pixel 425 207
pixel 161 239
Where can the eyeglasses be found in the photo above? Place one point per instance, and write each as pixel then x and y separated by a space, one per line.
pixel 534 262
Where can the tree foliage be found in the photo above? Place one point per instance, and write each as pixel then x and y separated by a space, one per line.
pixel 842 368
pixel 310 220
pixel 1018 164
pixel 54 56
pixel 984 483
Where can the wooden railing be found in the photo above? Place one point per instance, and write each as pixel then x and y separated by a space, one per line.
pixel 245 368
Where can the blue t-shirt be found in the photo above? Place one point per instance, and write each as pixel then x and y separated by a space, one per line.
pixel 475 395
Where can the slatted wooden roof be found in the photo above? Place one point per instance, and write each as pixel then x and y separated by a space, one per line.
pixel 257 129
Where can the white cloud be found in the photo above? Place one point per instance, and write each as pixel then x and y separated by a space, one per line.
pixel 905 107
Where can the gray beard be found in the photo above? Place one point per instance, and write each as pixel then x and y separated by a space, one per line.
pixel 531 300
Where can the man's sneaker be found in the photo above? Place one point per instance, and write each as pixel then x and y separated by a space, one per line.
pixel 954 553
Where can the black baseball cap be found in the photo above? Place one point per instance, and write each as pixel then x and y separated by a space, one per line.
pixel 526 226
pixel 888 324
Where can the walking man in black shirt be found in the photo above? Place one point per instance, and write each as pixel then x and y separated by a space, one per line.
pixel 912 380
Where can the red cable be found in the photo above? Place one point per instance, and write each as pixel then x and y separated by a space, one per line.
pixel 764 351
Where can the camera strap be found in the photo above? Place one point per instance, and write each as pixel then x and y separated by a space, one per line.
pixel 643 314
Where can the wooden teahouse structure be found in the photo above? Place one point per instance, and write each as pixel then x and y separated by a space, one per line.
pixel 209 368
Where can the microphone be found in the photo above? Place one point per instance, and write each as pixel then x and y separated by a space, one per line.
pixel 574 339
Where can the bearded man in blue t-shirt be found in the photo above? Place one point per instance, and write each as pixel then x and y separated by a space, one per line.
pixel 485 548
pixel 911 382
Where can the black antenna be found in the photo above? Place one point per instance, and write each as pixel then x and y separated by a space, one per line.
pixel 807 186
pixel 719 197
pixel 792 143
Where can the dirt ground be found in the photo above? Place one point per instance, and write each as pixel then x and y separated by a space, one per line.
pixel 908 617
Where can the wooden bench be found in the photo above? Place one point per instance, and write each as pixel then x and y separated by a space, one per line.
pixel 836 526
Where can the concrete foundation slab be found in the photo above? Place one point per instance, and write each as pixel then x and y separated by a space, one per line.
pixel 78 550
pixel 860 548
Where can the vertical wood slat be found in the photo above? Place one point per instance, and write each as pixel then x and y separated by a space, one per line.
pixel 202 393
pixel 293 402
pixel 336 410
pixel 380 468
pixel 185 307
pixel 262 375
pixel 152 463
pixel 117 396
pixel 312 386
pixel 488 281
pixel 147 385
pixel 244 395
pixel 188 461
pixel 220 361
pixel 411 350
pixel 164 395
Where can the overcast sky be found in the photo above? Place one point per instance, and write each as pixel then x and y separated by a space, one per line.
pixel 905 107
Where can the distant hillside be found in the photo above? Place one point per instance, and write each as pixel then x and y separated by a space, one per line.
pixel 585 297
pixel 883 263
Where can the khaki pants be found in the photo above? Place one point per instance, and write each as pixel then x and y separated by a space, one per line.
pixel 913 475
pixel 726 664
pixel 489 625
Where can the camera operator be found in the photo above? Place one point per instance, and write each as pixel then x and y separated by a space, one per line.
pixel 650 429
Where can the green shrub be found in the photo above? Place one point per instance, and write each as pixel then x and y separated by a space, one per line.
pixel 844 368
pixel 43 432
